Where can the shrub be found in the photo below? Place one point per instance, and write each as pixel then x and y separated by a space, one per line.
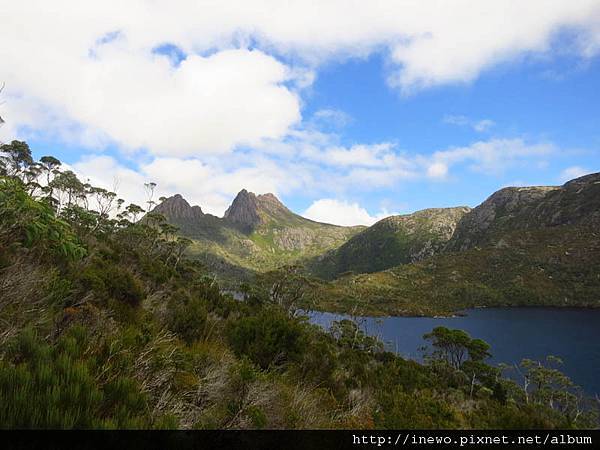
pixel 269 339
pixel 186 316
pixel 45 386
pixel 111 281
pixel 33 223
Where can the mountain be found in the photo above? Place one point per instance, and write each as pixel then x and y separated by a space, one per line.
pixel 521 208
pixel 522 246
pixel 391 241
pixel 177 208
pixel 256 233
pixel 250 211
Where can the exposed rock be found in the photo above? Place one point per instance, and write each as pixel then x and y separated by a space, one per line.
pixel 513 208
pixel 271 204
pixel 249 210
pixel 244 210
pixel 176 208
pixel 292 239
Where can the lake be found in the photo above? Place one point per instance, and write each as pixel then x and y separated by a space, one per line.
pixel 513 333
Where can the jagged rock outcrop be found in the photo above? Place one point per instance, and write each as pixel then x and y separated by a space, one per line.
pixel 176 208
pixel 257 232
pixel 243 210
pixel 249 210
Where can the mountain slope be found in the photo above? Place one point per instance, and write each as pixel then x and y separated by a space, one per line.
pixel 391 241
pixel 257 233
pixel 522 246
pixel 576 202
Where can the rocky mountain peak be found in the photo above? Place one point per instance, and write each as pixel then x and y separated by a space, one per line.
pixel 250 210
pixel 176 208
pixel 244 210
pixel 271 204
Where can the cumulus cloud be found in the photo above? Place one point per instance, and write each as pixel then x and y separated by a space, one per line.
pixel 204 105
pixel 572 172
pixel 101 71
pixel 211 93
pixel 437 170
pixel 341 212
pixel 208 184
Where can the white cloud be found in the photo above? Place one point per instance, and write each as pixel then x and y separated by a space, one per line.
pixel 96 69
pixel 483 125
pixel 332 117
pixel 208 184
pixel 495 155
pixel 212 182
pixel 437 170
pixel 463 121
pixel 205 105
pixel 377 155
pixel 572 172
pixel 310 167
pixel 340 212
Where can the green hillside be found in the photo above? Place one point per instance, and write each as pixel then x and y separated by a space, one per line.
pixel 392 241
pixel 550 267
pixel 522 246
pixel 257 234
pixel 105 324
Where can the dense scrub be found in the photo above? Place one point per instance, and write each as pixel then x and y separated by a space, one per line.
pixel 105 324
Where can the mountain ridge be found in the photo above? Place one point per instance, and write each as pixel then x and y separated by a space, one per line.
pixel 536 246
pixel 394 240
pixel 512 208
pixel 256 233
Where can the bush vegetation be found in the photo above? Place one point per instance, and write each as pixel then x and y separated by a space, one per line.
pixel 105 324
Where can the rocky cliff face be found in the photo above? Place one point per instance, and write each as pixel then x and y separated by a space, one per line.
pixel 249 210
pixel 176 209
pixel 525 208
pixel 243 210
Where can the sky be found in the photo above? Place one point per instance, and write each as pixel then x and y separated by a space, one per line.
pixel 348 111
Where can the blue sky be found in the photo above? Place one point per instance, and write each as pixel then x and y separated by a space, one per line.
pixel 346 117
pixel 521 100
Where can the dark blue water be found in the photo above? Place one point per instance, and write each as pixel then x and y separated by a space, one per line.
pixel 513 333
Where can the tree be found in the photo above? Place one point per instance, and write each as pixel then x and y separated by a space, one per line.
pixel 49 166
pixel 132 212
pixel 545 384
pixel 69 188
pixel 149 187
pixel 286 287
pixel 15 158
pixel 348 334
pixel 450 345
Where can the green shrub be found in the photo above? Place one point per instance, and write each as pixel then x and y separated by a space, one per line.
pixel 111 281
pixel 186 316
pixel 269 339
pixel 33 223
pixel 415 410
pixel 43 386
